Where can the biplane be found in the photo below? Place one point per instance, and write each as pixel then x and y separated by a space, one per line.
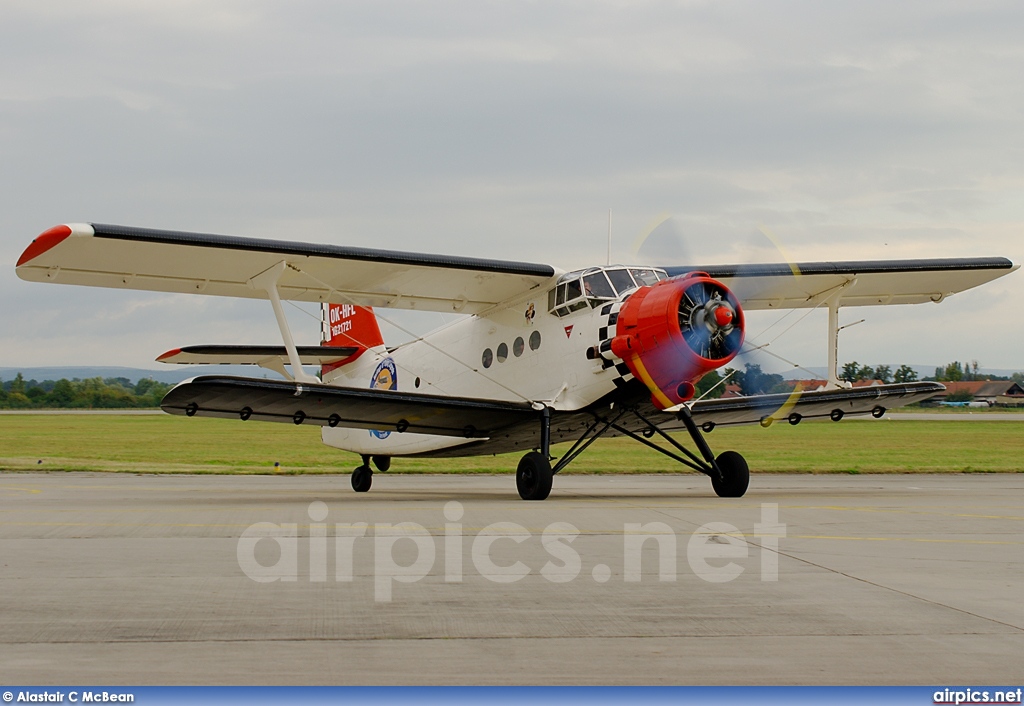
pixel 539 356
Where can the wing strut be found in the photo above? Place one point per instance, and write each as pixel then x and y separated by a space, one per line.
pixel 833 342
pixel 267 281
pixel 833 345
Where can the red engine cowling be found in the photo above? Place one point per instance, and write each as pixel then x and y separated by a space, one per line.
pixel 672 333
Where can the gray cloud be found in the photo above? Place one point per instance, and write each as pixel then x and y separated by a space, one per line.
pixel 508 130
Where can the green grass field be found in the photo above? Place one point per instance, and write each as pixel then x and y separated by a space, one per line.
pixel 166 444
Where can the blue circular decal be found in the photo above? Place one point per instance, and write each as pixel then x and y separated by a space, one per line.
pixel 385 377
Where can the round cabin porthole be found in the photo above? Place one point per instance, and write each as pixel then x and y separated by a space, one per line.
pixel 517 346
pixel 535 340
pixel 488 357
pixel 502 353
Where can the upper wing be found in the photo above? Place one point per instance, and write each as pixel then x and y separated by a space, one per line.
pixel 855 283
pixel 170 261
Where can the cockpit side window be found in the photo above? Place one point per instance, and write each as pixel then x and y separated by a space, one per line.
pixel 573 290
pixel 574 295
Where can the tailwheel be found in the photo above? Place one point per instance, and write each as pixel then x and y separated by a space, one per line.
pixel 533 477
pixel 735 475
pixel 362 478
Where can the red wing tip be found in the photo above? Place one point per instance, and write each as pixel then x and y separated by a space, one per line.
pixel 168 354
pixel 43 242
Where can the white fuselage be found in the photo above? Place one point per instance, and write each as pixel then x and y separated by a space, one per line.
pixel 545 361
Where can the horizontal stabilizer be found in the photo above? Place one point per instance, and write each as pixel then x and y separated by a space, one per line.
pixel 255 355
pixel 326 405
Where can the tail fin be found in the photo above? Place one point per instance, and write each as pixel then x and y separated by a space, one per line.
pixel 349 325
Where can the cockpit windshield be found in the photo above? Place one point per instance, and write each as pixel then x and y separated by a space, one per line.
pixel 593 287
pixel 646 275
pixel 596 286
pixel 620 279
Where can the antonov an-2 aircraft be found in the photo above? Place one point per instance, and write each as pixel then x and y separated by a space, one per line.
pixel 540 356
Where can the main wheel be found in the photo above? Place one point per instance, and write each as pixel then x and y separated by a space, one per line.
pixel 533 477
pixel 362 479
pixel 735 475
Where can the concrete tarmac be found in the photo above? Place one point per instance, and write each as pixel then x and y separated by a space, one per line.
pixel 902 579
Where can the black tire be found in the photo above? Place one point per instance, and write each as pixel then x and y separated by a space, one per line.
pixel 362 479
pixel 736 475
pixel 533 477
pixel 382 463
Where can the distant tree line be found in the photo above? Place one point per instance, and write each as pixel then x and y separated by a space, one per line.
pixel 91 393
pixel 953 372
pixel 855 372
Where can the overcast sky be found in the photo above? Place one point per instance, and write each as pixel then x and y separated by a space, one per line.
pixel 508 130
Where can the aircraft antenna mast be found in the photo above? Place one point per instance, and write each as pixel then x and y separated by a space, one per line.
pixel 609 237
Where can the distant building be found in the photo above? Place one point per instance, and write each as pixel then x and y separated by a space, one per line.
pixel 732 390
pixel 1004 393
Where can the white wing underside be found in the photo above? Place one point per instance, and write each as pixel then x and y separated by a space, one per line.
pixel 164 261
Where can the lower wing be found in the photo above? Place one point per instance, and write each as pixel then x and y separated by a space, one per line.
pixel 326 405
pixel 797 405
pixel 492 426
pixel 763 409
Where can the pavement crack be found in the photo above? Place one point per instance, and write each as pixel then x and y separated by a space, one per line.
pixel 891 589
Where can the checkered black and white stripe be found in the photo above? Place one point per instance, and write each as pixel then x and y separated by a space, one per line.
pixel 610 312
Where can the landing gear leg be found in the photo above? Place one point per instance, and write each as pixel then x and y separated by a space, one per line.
pixel 533 476
pixel 362 476
pixel 730 474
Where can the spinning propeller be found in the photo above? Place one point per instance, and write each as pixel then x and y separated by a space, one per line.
pixel 709 315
